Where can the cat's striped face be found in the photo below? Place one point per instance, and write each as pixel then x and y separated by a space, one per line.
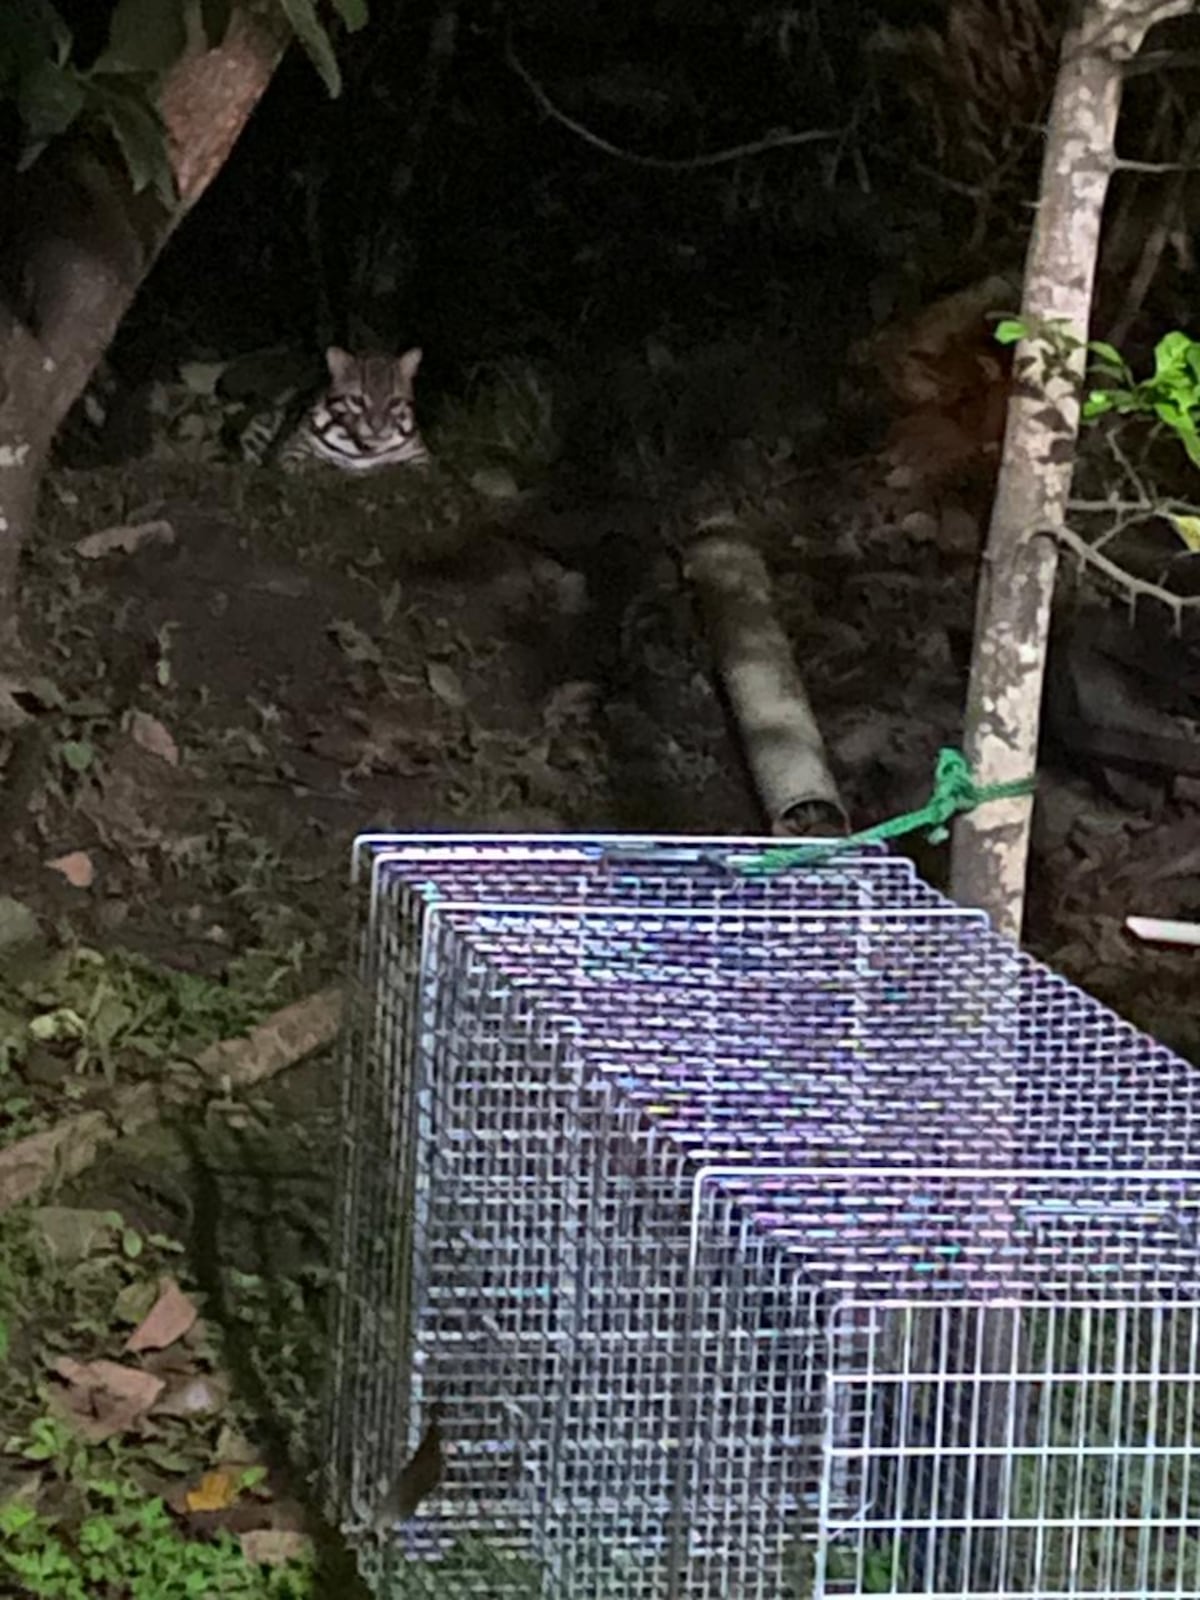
pixel 365 419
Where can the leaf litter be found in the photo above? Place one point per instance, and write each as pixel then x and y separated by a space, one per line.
pixel 265 673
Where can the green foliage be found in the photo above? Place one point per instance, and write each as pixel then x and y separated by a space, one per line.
pixel 1171 395
pixel 115 1015
pixel 1057 339
pixel 125 1543
pixel 313 38
pixel 52 92
pixel 76 1522
pixel 508 419
pixel 144 36
pixel 98 1006
pixel 879 1566
pixel 472 1565
pixel 118 92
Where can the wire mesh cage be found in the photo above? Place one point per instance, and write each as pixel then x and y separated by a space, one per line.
pixel 750 1235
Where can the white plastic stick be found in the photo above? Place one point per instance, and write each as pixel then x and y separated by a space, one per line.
pixel 1163 931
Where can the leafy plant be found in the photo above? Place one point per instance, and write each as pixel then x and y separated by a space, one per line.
pixel 1171 395
pixel 96 1007
pixel 471 1565
pixel 41 74
pixel 126 1544
pixel 508 419
pixel 841 1566
pixel 68 1277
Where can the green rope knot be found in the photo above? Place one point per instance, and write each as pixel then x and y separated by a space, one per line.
pixel 954 790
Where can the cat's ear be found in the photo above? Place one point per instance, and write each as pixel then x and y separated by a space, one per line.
pixel 340 362
pixel 409 362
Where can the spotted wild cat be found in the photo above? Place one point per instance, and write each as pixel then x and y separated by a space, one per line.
pixel 362 421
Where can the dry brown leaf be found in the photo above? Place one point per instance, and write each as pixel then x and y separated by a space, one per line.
pixel 216 1491
pixel 104 1398
pixel 151 735
pixel 112 1377
pixel 168 1319
pixel 76 867
pixel 124 537
pixel 273 1546
pixel 446 684
pixel 234 1446
pixel 126 807
pixel 12 713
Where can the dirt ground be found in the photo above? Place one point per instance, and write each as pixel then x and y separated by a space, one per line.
pixel 249 671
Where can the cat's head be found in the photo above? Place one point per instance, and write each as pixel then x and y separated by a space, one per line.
pixel 371 396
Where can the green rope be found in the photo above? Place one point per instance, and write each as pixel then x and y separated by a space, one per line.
pixel 954 790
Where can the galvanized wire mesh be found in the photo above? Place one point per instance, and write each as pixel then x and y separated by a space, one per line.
pixel 762 1236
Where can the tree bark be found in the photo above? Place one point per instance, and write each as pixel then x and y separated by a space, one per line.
pixel 991 845
pixel 85 245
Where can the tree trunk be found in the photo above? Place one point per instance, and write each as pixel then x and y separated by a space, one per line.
pixel 22 452
pixel 1017 580
pixel 86 243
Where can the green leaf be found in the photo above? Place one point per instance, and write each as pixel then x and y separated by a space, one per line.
pixel 18 926
pixel 1010 331
pixel 168 1459
pixel 1188 529
pixel 1190 441
pixel 315 42
pixel 49 98
pixel 15 1516
pixel 1097 403
pixel 51 1027
pixel 31 31
pixel 1107 352
pixel 4 1340
pixel 71 1234
pixel 161 1241
pixel 138 131
pixel 78 754
pixel 144 36
pixel 1113 374
pixel 353 13
pixel 97 1534
pixel 1170 353
pixel 215 17
pixel 1175 416
pixel 134 1301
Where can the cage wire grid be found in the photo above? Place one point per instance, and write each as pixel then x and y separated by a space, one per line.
pixel 704 1199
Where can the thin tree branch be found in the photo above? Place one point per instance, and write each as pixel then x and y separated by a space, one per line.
pixel 1134 588
pixel 1121 164
pixel 715 158
pixel 1149 61
pixel 1136 508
